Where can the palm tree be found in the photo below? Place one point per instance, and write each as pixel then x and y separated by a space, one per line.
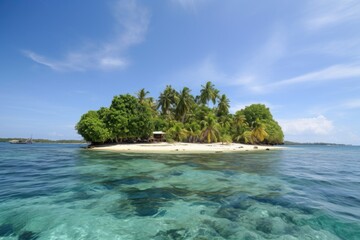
pixel 151 103
pixel 225 138
pixel 177 132
pixel 239 119
pixel 240 126
pixel 258 131
pixel 142 95
pixel 210 131
pixel 167 100
pixel 247 136
pixel 194 135
pixel 208 92
pixel 193 130
pixel 223 106
pixel 184 103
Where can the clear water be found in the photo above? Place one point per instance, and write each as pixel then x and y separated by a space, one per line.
pixel 66 192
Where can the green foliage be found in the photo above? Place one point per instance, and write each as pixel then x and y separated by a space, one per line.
pixel 256 111
pixel 225 138
pixel 193 131
pixel 211 129
pixel 92 128
pixel 258 132
pixel 255 124
pixel 142 95
pixel 129 118
pixel 182 116
pixel 167 100
pixel 160 124
pixel 126 118
pixel 177 132
pixel 208 92
pixel 248 137
pixel 184 103
pixel 223 106
pixel 275 133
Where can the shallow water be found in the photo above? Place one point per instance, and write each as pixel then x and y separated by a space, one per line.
pixel 66 192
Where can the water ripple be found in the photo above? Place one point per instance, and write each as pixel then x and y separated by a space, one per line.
pixel 66 192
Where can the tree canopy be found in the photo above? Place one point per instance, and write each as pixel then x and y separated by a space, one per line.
pixel 183 116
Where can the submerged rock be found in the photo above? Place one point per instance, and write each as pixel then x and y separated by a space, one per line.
pixel 28 235
pixel 172 234
pixel 113 183
pixel 147 202
pixel 283 202
pixel 240 201
pixel 224 230
pixel 233 206
pixel 176 173
pixel 264 225
pixel 148 210
pixel 228 213
pixel 135 180
pixel 6 230
pixel 287 218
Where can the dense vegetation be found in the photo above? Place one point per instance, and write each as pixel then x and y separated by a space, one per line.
pixel 182 116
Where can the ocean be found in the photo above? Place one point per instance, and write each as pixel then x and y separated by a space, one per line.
pixel 63 191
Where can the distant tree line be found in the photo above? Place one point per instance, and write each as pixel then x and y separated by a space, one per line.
pixel 41 140
pixel 182 116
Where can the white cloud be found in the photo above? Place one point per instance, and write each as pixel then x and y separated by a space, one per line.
pixel 319 125
pixel 335 72
pixel 324 13
pixel 131 23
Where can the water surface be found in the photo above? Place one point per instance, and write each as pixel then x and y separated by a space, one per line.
pixel 59 191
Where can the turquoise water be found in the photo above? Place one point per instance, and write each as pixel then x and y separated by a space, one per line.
pixel 66 192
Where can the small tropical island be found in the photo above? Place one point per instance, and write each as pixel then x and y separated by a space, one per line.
pixel 195 123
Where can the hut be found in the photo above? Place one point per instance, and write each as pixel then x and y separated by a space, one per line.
pixel 158 136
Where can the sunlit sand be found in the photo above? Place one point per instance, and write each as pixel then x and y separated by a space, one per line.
pixel 184 147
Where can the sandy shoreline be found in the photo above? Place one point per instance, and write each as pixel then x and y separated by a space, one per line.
pixel 184 148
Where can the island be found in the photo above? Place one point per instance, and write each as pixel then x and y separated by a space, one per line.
pixel 179 121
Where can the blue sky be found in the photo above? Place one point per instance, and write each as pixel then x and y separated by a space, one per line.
pixel 59 59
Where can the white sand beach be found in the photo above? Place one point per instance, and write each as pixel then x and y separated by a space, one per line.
pixel 184 148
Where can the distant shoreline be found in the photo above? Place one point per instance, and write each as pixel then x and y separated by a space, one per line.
pixel 290 143
pixel 64 141
pixel 183 148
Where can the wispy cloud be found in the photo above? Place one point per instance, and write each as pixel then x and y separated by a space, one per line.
pixel 338 48
pixel 335 72
pixel 209 70
pixel 271 51
pixel 131 24
pixel 351 104
pixel 319 125
pixel 189 5
pixel 324 13
pixel 248 76
pixel 262 61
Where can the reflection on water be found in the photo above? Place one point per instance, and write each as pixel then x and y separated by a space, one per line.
pixel 65 192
